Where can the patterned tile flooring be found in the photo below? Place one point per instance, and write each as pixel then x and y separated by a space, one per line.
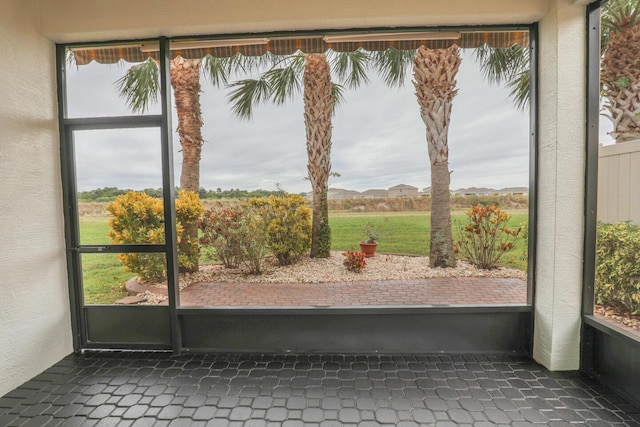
pixel 159 389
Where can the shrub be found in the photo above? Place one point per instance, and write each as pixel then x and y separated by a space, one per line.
pixel 253 240
pixel 354 261
pixel 188 212
pixel 486 238
pixel 287 224
pixel 617 268
pixel 234 236
pixel 524 235
pixel 222 235
pixel 139 218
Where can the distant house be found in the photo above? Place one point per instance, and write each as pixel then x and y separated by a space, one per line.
pixel 514 191
pixel 339 193
pixel 403 190
pixel 474 191
pixel 426 192
pixel 375 193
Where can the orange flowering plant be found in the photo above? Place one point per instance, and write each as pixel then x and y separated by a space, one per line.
pixel 486 237
pixel 354 261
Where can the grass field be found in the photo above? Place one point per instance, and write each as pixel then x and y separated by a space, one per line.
pixel 403 233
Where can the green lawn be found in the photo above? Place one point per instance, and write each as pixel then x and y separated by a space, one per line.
pixel 403 233
pixel 104 278
pixel 408 233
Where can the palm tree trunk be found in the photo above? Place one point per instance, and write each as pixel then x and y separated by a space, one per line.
pixel 441 252
pixel 434 80
pixel 318 109
pixel 185 80
pixel 320 231
pixel 620 76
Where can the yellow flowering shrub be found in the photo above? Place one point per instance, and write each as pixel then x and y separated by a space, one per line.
pixel 287 224
pixel 139 218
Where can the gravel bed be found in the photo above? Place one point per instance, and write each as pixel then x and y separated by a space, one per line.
pixel 318 270
pixel 628 320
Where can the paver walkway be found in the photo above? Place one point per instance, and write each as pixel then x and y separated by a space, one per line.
pixel 434 291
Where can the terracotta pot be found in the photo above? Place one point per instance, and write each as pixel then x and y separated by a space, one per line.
pixel 368 249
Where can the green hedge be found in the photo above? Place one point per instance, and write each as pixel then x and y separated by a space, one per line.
pixel 618 266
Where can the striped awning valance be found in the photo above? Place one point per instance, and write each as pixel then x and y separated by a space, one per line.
pixel 289 45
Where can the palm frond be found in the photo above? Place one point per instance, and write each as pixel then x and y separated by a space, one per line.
pixel 350 67
pixel 337 93
pixel 617 15
pixel 247 93
pixel 519 90
pixel 275 84
pixel 70 57
pixel 284 83
pixel 393 65
pixel 140 86
pixel 509 65
pixel 217 70
pixel 502 64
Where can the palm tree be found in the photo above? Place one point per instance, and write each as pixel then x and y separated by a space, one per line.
pixel 434 72
pixel 310 72
pixel 434 75
pixel 140 87
pixel 619 68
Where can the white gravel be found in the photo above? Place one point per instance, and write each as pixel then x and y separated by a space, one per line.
pixel 316 270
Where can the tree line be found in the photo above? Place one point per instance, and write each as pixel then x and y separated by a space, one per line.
pixel 109 194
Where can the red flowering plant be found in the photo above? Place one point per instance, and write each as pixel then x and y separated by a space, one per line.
pixel 354 261
pixel 486 237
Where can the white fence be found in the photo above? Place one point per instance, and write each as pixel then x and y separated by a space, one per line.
pixel 619 182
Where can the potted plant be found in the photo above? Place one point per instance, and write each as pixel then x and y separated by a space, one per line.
pixel 368 246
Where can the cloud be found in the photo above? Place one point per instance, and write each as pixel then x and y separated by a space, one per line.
pixel 378 138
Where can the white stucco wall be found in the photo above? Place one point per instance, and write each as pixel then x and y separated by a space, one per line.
pixel 561 167
pixel 35 326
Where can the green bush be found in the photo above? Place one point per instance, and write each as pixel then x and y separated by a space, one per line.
pixel 287 224
pixel 234 236
pixel 222 235
pixel 486 237
pixel 617 267
pixel 139 218
pixel 254 239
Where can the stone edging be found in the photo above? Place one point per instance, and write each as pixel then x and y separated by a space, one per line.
pixel 133 287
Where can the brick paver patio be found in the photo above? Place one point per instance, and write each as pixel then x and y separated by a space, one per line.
pixel 434 291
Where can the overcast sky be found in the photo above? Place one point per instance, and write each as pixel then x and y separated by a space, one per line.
pixel 378 138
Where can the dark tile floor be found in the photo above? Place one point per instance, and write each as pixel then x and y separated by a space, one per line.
pixel 158 389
